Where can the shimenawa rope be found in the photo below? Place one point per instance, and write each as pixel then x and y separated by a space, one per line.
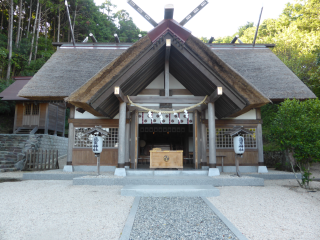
pixel 175 111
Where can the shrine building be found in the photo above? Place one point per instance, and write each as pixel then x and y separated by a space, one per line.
pixel 168 92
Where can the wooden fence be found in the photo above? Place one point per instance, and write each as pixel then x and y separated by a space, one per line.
pixel 39 160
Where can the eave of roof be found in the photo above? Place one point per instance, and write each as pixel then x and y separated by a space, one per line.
pixel 11 92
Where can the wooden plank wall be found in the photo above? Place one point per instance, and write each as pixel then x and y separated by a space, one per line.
pixel 85 156
pixel 250 157
pixel 60 120
pixel 19 114
pixel 52 117
pixel 43 111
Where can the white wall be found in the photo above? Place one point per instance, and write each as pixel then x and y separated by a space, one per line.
pixel 87 115
pixel 158 83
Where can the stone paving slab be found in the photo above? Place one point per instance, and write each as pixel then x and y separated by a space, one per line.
pixel 170 191
pixel 177 218
pixel 169 180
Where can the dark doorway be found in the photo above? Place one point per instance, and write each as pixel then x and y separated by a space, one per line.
pixel 166 137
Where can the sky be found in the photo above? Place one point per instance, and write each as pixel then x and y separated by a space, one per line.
pixel 218 19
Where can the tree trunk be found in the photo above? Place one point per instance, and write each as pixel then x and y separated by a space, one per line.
pixel 19 24
pixel 58 38
pixel 33 33
pixel 38 30
pixel 22 22
pixel 30 16
pixel 54 29
pixel 10 29
pixel 2 12
pixel 46 30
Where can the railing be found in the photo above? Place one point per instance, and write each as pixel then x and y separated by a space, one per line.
pixel 39 160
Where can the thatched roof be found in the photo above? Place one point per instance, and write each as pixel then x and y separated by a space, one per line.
pixel 67 70
pixel 263 69
pixel 87 74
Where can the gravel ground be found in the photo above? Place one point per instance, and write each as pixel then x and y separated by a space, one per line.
pixel 58 210
pixel 177 218
pixel 280 210
pixel 40 210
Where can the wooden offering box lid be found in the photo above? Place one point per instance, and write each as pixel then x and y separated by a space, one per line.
pixel 155 150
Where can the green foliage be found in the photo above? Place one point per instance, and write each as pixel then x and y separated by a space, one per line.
pixel 6 107
pixel 296 129
pixel 297 38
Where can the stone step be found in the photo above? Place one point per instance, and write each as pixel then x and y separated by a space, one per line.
pixel 170 191
pixel 167 172
pixel 13 159
pixel 6 166
pixel 8 169
pixel 7 162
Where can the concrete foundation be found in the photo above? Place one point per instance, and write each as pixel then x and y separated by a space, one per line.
pixel 121 172
pixel 262 169
pixel 213 172
pixel 68 168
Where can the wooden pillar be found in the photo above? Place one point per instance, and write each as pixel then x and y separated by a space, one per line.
pixel 15 118
pixel 56 127
pixel 122 135
pixel 127 155
pixel 212 136
pixel 70 136
pixel 46 128
pixel 196 139
pixel 64 121
pixel 259 139
pixel 134 139
pixel 203 139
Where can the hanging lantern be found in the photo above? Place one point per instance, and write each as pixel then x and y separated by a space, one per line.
pixel 97 144
pixel 238 143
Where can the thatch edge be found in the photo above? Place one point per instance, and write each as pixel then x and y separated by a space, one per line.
pixel 226 72
pixel 83 94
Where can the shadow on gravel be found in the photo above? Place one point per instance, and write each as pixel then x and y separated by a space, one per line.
pixel 9 180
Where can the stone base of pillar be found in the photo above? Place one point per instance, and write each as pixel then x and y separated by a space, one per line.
pixel 127 164
pixel 68 168
pixel 213 172
pixel 120 172
pixel 212 165
pixel 262 169
pixel 121 165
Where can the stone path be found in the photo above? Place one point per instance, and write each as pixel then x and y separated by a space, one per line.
pixel 178 218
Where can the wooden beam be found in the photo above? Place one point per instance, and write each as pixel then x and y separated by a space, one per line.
pixel 193 13
pixel 215 95
pixel 174 100
pixel 168 47
pixel 119 94
pixel 116 38
pixel 142 13
pixel 157 92
pixel 166 68
pixel 168 11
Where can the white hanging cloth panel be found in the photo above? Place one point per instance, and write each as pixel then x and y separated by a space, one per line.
pixel 167 118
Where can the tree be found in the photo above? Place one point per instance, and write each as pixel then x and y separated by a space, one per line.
pixel 296 130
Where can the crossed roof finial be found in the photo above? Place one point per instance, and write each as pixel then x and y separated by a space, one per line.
pixel 168 12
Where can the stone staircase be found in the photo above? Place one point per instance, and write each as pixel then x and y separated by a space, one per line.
pixel 11 151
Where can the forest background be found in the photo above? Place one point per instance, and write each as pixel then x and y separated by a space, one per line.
pixel 28 28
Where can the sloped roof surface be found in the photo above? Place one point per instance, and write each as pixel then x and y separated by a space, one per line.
pixel 67 70
pixel 263 69
pixel 11 92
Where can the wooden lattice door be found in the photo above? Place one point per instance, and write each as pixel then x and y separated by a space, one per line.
pixel 31 115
